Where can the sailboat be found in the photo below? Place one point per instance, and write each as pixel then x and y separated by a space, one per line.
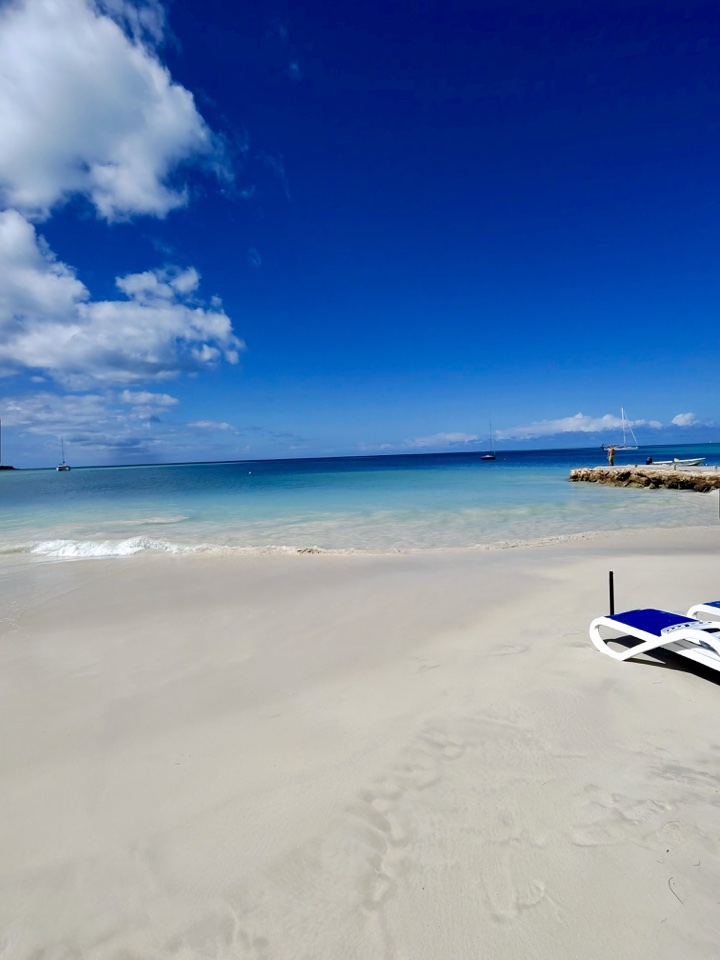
pixel 3 466
pixel 491 455
pixel 62 466
pixel 626 429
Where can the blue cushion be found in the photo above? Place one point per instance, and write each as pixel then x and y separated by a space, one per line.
pixel 651 621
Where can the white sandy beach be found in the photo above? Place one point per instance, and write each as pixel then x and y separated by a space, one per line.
pixel 356 758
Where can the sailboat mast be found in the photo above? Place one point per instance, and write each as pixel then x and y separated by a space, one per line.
pixel 622 416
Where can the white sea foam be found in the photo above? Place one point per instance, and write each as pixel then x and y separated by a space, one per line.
pixel 85 549
pixel 141 521
pixel 100 549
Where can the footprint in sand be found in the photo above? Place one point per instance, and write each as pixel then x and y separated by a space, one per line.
pixel 378 827
pixel 613 818
pixel 506 867
pixel 220 935
pixel 378 815
pixel 508 893
pixel 507 650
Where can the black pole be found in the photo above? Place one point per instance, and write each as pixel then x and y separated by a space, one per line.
pixel 611 591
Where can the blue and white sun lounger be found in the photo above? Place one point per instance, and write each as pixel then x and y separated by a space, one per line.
pixel 710 610
pixel 657 629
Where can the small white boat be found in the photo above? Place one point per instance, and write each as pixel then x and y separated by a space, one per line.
pixel 694 462
pixel 62 466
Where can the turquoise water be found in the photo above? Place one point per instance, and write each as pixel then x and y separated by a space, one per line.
pixel 376 504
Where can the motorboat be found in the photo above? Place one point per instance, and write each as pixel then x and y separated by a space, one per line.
pixel 692 462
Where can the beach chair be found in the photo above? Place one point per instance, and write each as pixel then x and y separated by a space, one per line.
pixel 659 630
pixel 710 610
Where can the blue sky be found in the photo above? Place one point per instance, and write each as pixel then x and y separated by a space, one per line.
pixel 327 228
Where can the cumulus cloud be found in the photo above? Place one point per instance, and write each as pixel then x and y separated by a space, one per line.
pixel 100 423
pixel 91 421
pixel 578 423
pixel 48 413
pixel 33 282
pixel 147 406
pixel 684 420
pixel 86 107
pixel 121 425
pixel 158 285
pixel 50 325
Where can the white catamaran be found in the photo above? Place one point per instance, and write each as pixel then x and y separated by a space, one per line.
pixel 626 429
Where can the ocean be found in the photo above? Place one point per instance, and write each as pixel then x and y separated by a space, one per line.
pixel 370 504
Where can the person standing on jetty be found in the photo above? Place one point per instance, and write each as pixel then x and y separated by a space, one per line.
pixel 611 456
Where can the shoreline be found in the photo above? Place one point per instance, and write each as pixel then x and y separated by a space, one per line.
pixel 59 549
pixel 376 511
pixel 379 756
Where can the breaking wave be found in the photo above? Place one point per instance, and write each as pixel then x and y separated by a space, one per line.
pixel 141 521
pixel 82 549
pixel 65 549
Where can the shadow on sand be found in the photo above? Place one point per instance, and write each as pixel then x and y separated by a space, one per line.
pixel 667 660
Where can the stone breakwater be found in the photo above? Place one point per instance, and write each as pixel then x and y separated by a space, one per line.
pixel 701 480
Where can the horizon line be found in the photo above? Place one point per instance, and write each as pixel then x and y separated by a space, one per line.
pixel 363 456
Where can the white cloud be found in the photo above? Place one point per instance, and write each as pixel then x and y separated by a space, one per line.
pixel 32 281
pixel 48 412
pixel 211 425
pixel 89 421
pixel 49 325
pixel 147 406
pixel 147 398
pixel 126 425
pixel 163 285
pixel 99 426
pixel 442 440
pixel 450 439
pixel 144 21
pixel 86 108
pixel 684 420
pixel 578 423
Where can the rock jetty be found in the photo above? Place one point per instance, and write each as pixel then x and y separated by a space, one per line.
pixel 700 479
